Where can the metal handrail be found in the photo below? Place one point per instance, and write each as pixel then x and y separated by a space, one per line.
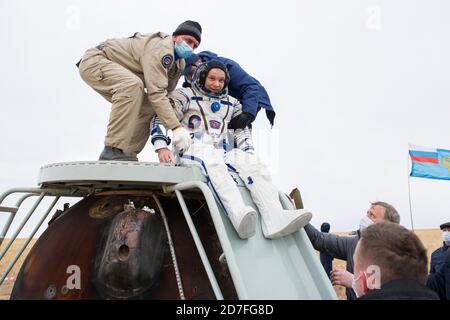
pixel 220 229
pixel 36 228
pixel 29 192
pixel 20 227
pixel 199 245
pixel 13 214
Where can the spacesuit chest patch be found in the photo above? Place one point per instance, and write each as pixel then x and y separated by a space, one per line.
pixel 214 124
pixel 194 121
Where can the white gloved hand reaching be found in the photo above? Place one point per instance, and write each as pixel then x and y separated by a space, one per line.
pixel 181 139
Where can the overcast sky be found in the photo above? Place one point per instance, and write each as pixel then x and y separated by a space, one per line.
pixel 352 81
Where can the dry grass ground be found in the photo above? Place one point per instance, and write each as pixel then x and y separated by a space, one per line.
pixel 6 287
pixel 430 237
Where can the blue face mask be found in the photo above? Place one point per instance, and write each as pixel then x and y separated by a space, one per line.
pixel 182 50
pixel 446 237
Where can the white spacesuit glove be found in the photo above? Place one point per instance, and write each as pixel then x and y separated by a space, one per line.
pixel 181 139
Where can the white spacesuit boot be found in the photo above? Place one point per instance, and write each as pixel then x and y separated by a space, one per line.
pixel 276 221
pixel 222 184
pixel 244 221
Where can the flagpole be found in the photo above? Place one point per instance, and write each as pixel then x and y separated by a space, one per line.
pixel 409 195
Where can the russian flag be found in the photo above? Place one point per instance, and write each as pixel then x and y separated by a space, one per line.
pixel 430 163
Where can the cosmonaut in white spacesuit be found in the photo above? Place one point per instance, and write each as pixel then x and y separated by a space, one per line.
pixel 205 110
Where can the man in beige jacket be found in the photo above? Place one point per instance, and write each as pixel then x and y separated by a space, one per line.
pixel 135 74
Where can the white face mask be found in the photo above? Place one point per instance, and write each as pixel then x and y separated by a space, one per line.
pixel 354 286
pixel 446 236
pixel 364 223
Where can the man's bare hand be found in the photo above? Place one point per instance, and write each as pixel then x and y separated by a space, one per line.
pixel 341 277
pixel 165 156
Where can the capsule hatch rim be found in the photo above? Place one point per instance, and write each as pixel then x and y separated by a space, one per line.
pixel 113 173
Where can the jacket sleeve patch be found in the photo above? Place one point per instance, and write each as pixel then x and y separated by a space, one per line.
pixel 167 60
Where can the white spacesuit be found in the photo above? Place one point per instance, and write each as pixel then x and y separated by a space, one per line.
pixel 206 117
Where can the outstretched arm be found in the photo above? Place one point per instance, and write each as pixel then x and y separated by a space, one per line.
pixel 159 133
pixel 155 64
pixel 160 140
pixel 246 88
pixel 337 246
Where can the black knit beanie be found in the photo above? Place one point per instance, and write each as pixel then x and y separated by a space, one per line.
pixel 190 28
